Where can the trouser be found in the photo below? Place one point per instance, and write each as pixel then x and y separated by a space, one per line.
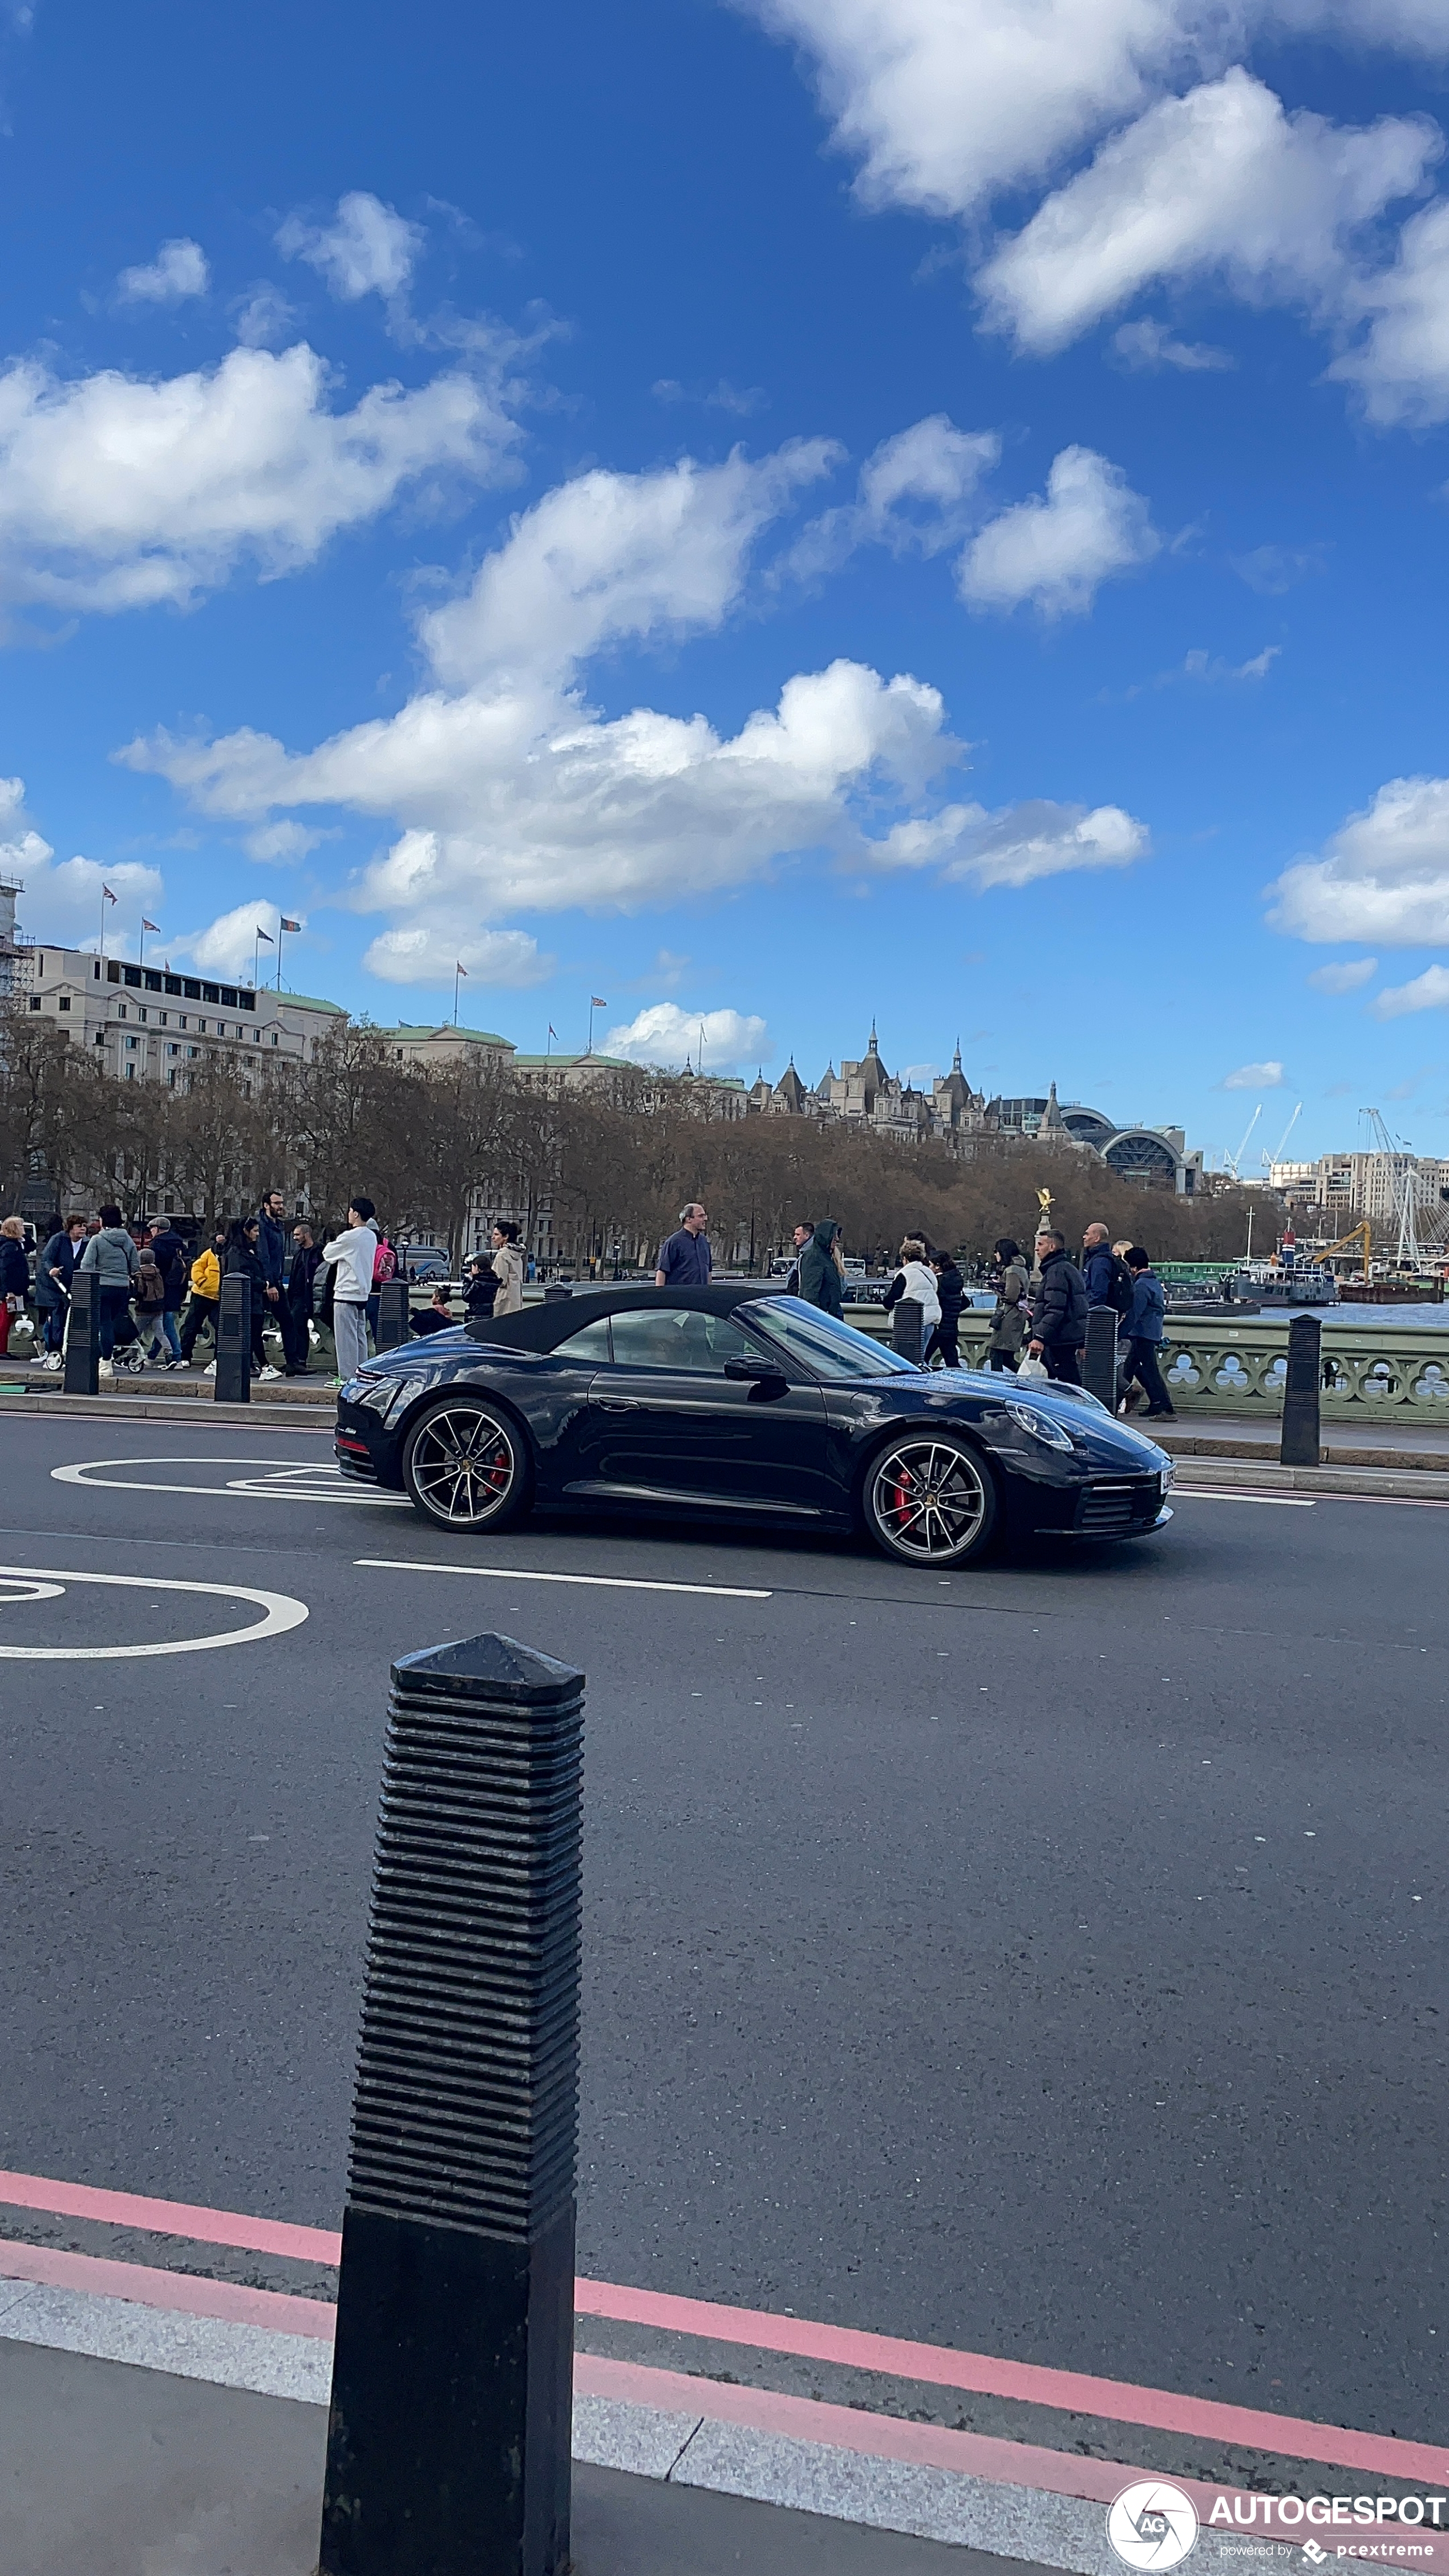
pixel 259 1356
pixel 1063 1364
pixel 295 1340
pixel 1142 1364
pixel 5 1321
pixel 349 1331
pixel 114 1304
pixel 201 1311
pixel 52 1323
pixel 164 1335
pixel 943 1341
pixel 1009 1360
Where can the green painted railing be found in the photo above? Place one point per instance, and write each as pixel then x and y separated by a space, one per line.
pixel 1240 1367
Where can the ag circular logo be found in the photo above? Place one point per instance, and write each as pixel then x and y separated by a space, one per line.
pixel 1152 2524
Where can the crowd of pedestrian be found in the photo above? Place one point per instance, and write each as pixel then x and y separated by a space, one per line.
pixel 155 1297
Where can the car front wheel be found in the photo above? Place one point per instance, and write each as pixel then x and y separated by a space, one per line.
pixel 928 1500
pixel 465 1466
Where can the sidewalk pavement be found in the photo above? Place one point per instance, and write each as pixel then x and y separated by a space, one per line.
pixel 110 2470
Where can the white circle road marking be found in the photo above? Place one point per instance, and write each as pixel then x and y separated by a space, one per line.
pixel 305 1481
pixel 22 1588
pixel 279 1613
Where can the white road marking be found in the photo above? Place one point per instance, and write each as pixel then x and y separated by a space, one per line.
pixel 279 1613
pixel 603 1582
pixel 1224 1494
pixel 305 1481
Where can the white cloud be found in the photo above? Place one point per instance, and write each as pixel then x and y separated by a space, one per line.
pixel 263 316
pixel 1148 347
pixel 65 903
pixel 1254 1077
pixel 1056 551
pixel 116 492
pixel 367 249
pixel 664 1034
pixel 1271 570
pixel 1345 978
pixel 1222 179
pixel 228 945
pixel 946 102
pixel 178 270
pixel 1200 665
pixel 428 953
pixel 1427 992
pixel 1384 875
pixel 614 556
pixel 282 843
pixel 1401 368
pixel 742 400
pixel 1015 846
pixel 915 495
pixel 511 793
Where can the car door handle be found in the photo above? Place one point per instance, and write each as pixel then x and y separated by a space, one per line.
pixel 617 1403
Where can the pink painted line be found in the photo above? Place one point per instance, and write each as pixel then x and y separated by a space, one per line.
pixel 1031 2383
pixel 169 2218
pixel 181 2292
pixel 1027 2381
pixel 849 2428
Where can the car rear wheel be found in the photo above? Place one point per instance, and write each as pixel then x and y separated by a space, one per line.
pixel 465 1466
pixel 929 1500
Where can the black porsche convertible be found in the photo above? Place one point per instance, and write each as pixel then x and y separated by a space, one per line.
pixel 739 1404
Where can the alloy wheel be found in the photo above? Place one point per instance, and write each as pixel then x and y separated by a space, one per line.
pixel 929 1501
pixel 462 1465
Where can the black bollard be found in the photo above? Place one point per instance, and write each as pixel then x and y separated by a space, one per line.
pixel 1099 1367
pixel 392 1315
pixel 906 1329
pixel 557 1288
pixel 1301 1444
pixel 82 1338
pixel 449 2440
pixel 234 1340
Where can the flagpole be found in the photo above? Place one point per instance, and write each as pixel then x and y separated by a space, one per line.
pixel 280 936
pixel 103 927
pixel 456 971
pixel 141 959
pixel 256 958
pixel 590 1047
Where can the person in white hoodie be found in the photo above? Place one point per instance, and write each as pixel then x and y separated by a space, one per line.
pixel 508 1268
pixel 915 1282
pixel 354 1252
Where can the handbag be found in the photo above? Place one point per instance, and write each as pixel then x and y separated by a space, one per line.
pixel 1031 1372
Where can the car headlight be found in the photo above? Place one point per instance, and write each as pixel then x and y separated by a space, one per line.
pixel 379 1394
pixel 1039 1426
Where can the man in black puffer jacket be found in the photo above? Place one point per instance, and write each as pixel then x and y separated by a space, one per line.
pixel 1059 1312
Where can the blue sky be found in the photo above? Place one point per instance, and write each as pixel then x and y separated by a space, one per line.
pixel 768 515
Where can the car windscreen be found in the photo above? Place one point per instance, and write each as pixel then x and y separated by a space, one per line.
pixel 825 1346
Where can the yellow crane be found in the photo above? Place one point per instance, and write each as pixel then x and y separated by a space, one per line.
pixel 1360 1235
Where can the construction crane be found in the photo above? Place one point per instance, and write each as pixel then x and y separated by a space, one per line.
pixel 1233 1160
pixel 1400 1160
pixel 1270 1159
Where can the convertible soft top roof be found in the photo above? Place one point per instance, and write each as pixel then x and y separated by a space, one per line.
pixel 542 1328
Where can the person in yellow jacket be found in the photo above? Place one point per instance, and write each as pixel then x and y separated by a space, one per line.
pixel 205 1294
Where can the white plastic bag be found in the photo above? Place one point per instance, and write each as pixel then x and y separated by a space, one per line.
pixel 1032 1372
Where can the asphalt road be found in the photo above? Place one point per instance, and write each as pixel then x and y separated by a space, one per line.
pixel 1048 1962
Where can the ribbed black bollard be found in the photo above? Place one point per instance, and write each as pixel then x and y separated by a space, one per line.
pixel 1099 1364
pixel 392 1315
pixel 234 1340
pixel 82 1337
pixel 449 2441
pixel 906 1329
pixel 1301 1443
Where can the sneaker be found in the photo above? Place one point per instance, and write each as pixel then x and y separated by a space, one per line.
pixel 209 1372
pixel 105 1368
pixel 269 1372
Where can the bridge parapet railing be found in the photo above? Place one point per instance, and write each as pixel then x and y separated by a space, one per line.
pixel 1240 1367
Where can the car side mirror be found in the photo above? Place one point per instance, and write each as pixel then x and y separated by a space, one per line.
pixel 759 1372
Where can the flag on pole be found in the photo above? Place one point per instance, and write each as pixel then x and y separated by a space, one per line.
pixel 152 925
pixel 106 891
pixel 553 1033
pixel 461 970
pixel 285 924
pixel 267 936
pixel 598 1003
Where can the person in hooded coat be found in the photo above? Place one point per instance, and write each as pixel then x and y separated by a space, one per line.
pixel 821 1268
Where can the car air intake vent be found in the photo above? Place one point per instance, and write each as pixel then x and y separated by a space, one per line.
pixel 1109 1511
